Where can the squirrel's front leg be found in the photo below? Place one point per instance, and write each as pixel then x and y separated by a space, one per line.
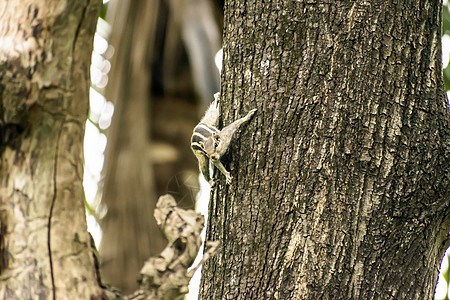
pixel 203 164
pixel 226 134
pixel 222 169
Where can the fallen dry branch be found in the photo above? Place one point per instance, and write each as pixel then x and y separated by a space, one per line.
pixel 166 276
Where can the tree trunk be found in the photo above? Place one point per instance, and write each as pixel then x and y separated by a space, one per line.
pixel 340 182
pixel 45 55
pixel 128 190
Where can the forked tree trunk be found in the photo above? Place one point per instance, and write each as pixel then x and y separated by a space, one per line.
pixel 45 50
pixel 340 183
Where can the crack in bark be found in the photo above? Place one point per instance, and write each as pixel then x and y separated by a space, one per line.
pixel 52 205
pixel 77 31
pixel 3 247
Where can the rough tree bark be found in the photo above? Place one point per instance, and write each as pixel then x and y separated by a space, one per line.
pixel 340 183
pixel 45 50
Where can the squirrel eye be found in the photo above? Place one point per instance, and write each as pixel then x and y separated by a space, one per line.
pixel 216 145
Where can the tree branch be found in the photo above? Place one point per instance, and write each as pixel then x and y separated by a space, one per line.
pixel 166 276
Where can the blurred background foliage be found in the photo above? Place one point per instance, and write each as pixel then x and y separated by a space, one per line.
pixel 153 68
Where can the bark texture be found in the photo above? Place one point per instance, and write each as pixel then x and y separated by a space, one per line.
pixel 44 82
pixel 340 182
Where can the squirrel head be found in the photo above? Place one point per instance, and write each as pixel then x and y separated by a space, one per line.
pixel 210 146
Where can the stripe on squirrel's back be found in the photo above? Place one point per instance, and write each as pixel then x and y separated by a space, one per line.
pixel 198 147
pixel 202 132
pixel 198 139
pixel 205 130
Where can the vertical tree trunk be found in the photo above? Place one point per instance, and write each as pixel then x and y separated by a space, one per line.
pixel 130 233
pixel 44 65
pixel 340 183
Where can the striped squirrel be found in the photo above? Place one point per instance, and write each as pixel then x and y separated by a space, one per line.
pixel 210 143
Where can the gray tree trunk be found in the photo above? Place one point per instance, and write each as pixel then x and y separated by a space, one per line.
pixel 45 50
pixel 340 183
